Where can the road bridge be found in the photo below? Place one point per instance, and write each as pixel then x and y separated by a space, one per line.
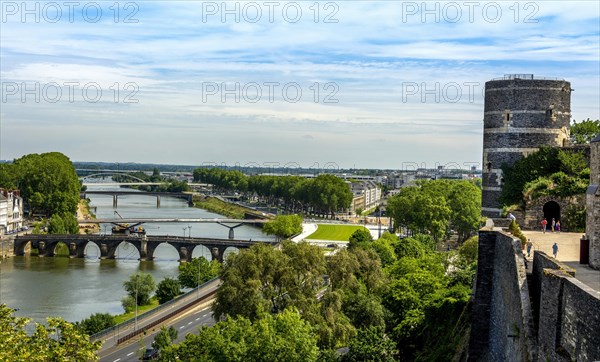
pixel 46 245
pixel 116 193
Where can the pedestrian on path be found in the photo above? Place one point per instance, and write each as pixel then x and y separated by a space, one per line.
pixel 553 224
pixel 558 225
pixel 555 249
pixel 529 245
pixel 544 224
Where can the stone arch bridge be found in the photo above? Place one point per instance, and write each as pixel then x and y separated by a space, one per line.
pixel 46 245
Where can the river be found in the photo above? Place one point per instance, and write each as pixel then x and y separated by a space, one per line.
pixel 76 288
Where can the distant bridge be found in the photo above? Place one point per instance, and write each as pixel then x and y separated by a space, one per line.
pixel 115 195
pixel 146 246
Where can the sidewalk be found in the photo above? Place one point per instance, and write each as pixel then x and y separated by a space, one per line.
pixel 568 253
pixel 307 229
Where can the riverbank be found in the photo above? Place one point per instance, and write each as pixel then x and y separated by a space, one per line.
pixel 84 213
pixel 221 207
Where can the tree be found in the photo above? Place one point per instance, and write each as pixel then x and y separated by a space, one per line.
pixel 361 235
pixel 95 323
pixel 464 200
pixel 61 223
pixel 139 287
pixel 167 289
pixel 48 182
pixel 58 341
pixel 371 344
pixel 264 279
pixel 283 337
pixel 584 131
pixel 164 338
pixel 284 226
pixel 423 209
pixel 198 271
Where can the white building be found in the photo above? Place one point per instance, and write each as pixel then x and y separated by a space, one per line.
pixel 11 211
pixel 370 190
pixel 3 214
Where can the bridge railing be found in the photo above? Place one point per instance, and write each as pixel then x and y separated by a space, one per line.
pixel 149 313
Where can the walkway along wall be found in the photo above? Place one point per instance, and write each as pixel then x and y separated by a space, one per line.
pixel 554 317
pixel 502 326
pixel 567 313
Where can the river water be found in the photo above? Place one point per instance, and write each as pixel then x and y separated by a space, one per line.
pixel 76 288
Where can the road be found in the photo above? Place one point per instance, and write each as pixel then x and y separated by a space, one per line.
pixel 185 324
pixel 109 340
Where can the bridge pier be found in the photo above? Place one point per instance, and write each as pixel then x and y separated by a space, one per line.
pixel 184 254
pixel 218 253
pixel 157 201
pixel 231 233
pixel 115 197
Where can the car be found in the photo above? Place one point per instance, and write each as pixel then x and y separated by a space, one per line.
pixel 150 354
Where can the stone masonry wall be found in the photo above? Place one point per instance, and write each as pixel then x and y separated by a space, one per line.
pixel 502 327
pixel 593 205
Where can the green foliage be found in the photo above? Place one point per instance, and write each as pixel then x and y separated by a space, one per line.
pixel 515 229
pixel 584 131
pixel 411 247
pixel 284 226
pixel 264 279
pixel 435 207
pixel 575 218
pixel 549 171
pixel 324 194
pixel 164 338
pixel 47 181
pixel 198 271
pixel 167 289
pixel 140 285
pixel 58 341
pixel 95 323
pixel 63 224
pixel 283 337
pixel 360 237
pixel 371 344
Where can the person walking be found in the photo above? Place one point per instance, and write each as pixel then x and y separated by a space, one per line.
pixel 529 245
pixel 558 225
pixel 555 250
pixel 544 224
pixel 553 224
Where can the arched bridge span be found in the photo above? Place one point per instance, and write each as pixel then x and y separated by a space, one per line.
pixel 45 244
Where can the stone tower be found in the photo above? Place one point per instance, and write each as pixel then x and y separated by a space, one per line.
pixel 522 113
pixel 593 204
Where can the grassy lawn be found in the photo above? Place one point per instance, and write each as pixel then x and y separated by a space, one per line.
pixel 334 232
pixel 141 309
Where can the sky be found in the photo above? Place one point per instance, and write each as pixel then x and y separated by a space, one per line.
pixel 348 84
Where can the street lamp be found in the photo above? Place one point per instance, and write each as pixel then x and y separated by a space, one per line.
pixel 184 232
pixel 190 231
pixel 136 301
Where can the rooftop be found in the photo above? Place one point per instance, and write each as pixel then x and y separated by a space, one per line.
pixel 525 77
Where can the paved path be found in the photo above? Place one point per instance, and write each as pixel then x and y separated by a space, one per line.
pixel 307 229
pixel 568 253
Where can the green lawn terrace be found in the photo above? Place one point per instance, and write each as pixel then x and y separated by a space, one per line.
pixel 333 232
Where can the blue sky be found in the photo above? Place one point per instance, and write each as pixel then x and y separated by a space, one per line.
pixel 342 85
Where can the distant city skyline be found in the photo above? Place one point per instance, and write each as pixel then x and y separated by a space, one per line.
pixel 358 84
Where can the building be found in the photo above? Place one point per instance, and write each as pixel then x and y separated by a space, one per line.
pixel 3 214
pixel 11 211
pixel 522 113
pixel 593 204
pixel 369 191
